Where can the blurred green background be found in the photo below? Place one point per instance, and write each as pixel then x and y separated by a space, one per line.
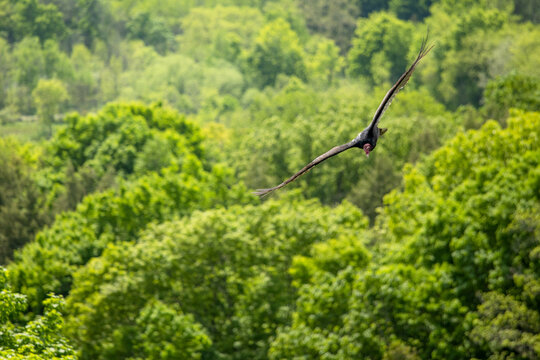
pixel 133 132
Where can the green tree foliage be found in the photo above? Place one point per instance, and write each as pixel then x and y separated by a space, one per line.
pixel 410 9
pixel 333 19
pixel 169 10
pixel 153 31
pixel 525 42
pixel 441 244
pixel 5 65
pixel 221 32
pixel 34 62
pixel 297 123
pixel 30 64
pixel 56 63
pixel 115 135
pixel 180 81
pixel 165 333
pixel 381 43
pixel 276 51
pixel 30 18
pixel 114 216
pixel 323 62
pixel 119 141
pixel 83 87
pixel 157 244
pixel 214 265
pixel 39 339
pixel 49 95
pixel 347 316
pixel 452 236
pixel 506 328
pixel 21 212
pixel 489 236
pixel 369 6
pixel 119 214
pixel 470 50
pixel 511 91
pixel 526 9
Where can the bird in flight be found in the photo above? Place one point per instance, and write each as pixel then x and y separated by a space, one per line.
pixel 367 139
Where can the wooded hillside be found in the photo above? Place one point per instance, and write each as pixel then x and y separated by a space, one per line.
pixel 132 134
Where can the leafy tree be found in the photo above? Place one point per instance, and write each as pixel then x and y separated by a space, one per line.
pixel 357 313
pixel 21 212
pixel 276 51
pixel 165 333
pixel 383 35
pixel 171 12
pixel 30 62
pixel 226 268
pixel 526 9
pixel 39 339
pixel 506 328
pixel 511 91
pixel 220 32
pixel 48 22
pixel 49 95
pixel 288 11
pixel 369 6
pixel 153 31
pixel 91 21
pixel 410 10
pixel 28 18
pixel 83 86
pixel 28 56
pixel 297 123
pixel 116 216
pixel 5 71
pixel 119 214
pixel 324 64
pixel 470 50
pixel 440 243
pixel 333 19
pixel 84 155
pixel 524 42
pixel 163 253
pixel 56 63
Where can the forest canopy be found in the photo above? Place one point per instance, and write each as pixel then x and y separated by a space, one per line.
pixel 133 132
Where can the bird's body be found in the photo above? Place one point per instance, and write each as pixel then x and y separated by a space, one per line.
pixel 367 138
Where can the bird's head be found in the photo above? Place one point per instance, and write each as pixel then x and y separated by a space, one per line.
pixel 367 148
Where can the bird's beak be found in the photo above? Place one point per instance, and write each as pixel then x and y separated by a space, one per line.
pixel 383 131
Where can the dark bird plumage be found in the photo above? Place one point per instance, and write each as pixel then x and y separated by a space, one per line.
pixel 367 139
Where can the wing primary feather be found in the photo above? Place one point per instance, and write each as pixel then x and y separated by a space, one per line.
pixel 319 159
pixel 402 81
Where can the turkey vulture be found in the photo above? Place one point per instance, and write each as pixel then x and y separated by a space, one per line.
pixel 367 139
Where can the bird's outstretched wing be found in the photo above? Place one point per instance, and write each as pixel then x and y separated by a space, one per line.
pixel 399 85
pixel 334 151
pixel 380 110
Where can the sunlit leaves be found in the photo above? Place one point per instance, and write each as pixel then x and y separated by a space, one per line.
pixel 222 32
pixel 39 339
pixel 384 37
pixel 49 96
pixel 506 328
pixel 227 268
pixel 276 51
